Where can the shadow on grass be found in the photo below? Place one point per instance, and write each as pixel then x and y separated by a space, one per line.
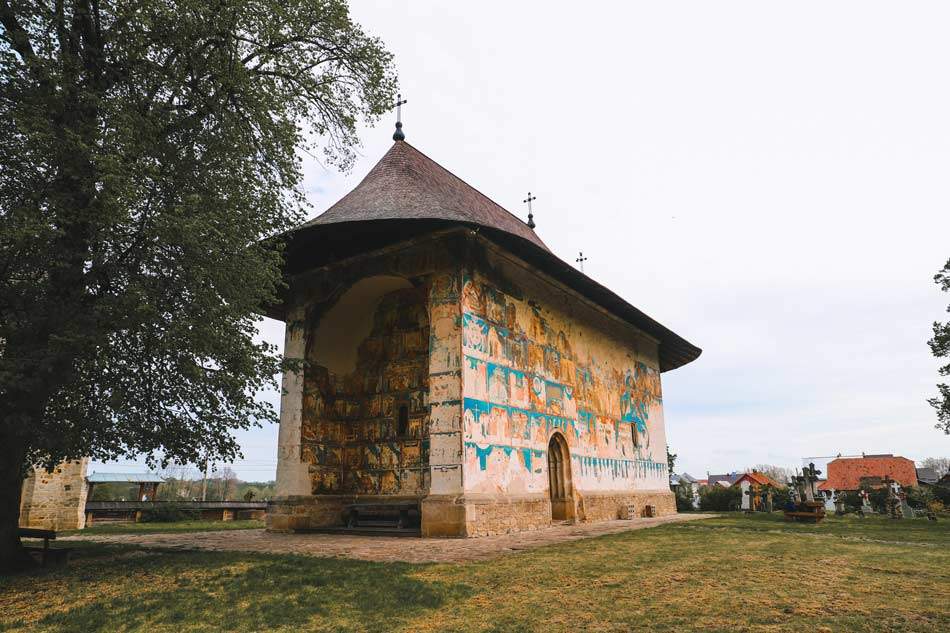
pixel 229 591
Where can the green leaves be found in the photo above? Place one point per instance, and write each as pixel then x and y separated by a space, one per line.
pixel 146 148
pixel 940 346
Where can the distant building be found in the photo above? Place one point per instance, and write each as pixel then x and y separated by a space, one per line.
pixel 928 476
pixel 688 480
pixel 723 480
pixel 753 481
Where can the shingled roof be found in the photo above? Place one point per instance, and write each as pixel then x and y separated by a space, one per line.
pixel 408 194
pixel 406 184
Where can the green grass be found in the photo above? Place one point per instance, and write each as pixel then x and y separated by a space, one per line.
pixel 731 573
pixel 873 528
pixel 153 528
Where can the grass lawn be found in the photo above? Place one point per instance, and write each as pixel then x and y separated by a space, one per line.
pixel 153 528
pixel 732 573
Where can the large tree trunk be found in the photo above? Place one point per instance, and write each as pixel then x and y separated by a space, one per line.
pixel 12 456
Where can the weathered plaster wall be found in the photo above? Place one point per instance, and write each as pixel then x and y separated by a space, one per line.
pixel 56 500
pixel 443 514
pixel 293 478
pixel 537 362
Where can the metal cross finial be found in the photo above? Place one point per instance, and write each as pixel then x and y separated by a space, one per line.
pixel 531 223
pixel 581 259
pixel 398 134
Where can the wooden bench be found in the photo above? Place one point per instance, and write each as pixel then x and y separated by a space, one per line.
pixel 383 514
pixel 58 556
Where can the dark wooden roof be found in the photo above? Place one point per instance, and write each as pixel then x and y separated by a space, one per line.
pixel 407 194
pixel 406 184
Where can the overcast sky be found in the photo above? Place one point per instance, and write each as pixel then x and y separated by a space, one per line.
pixel 769 180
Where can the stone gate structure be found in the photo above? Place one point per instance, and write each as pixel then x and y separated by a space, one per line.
pixel 452 360
pixel 55 500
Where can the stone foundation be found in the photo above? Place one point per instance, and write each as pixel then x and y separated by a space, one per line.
pixel 471 515
pixel 302 512
pixel 488 515
pixel 443 515
pixel 609 506
pixel 56 500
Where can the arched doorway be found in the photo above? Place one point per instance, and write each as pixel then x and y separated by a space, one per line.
pixel 559 479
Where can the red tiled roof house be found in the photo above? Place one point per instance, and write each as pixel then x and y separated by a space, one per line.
pixel 753 481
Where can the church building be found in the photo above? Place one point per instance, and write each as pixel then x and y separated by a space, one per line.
pixel 456 366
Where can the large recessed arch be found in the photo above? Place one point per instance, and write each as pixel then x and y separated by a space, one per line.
pixel 336 338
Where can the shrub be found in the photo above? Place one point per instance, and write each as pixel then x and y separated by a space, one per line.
pixel 852 500
pixel 919 498
pixel 877 497
pixel 169 514
pixel 684 498
pixel 942 494
pixel 720 499
pixel 780 498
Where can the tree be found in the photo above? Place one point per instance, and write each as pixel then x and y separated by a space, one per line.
pixel 670 462
pixel 940 464
pixel 147 148
pixel 228 483
pixel 719 498
pixel 778 473
pixel 940 346
pixel 684 497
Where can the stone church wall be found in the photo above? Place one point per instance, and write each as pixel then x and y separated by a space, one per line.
pixel 56 500
pixel 491 359
pixel 541 362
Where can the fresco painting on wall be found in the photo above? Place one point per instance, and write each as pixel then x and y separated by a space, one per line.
pixel 351 436
pixel 526 375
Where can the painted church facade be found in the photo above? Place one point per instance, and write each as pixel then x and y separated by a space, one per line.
pixel 453 362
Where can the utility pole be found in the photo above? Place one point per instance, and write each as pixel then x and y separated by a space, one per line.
pixel 204 483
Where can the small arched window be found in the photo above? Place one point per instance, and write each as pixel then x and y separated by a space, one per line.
pixel 403 424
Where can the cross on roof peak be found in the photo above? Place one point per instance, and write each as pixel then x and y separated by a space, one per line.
pixel 529 199
pixel 581 259
pixel 398 135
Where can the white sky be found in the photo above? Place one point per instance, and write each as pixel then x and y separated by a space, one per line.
pixel 768 180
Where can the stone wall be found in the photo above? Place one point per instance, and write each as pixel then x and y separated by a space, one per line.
pixel 487 515
pixel 56 500
pixel 608 506
pixel 299 512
